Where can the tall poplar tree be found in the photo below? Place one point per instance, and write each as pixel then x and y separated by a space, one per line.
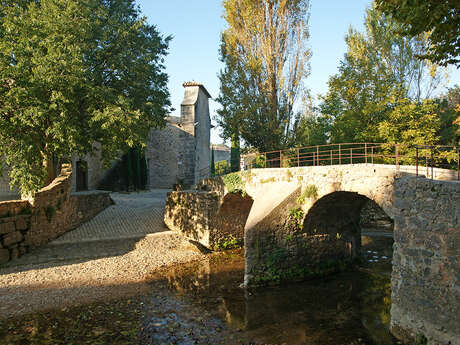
pixel 266 59
pixel 73 72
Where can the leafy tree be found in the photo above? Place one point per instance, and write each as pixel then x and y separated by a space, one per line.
pixel 72 73
pixel 213 166
pixel 311 127
pixel 266 61
pixel 438 19
pixel 378 68
pixel 411 123
pixel 449 107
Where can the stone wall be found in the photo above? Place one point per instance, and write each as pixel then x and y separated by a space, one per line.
pixel 192 214
pixel 164 164
pixel 426 261
pixel 206 218
pixel 25 224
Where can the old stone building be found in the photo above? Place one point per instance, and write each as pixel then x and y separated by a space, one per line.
pixel 178 153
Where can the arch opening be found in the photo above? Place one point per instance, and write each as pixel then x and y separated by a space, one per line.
pixel 231 218
pixel 347 221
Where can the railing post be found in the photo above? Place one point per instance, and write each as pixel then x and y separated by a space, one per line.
pixel 458 164
pixel 397 157
pixel 426 165
pixel 313 158
pixel 331 158
pixel 432 162
pixel 340 155
pixel 365 152
pixel 416 161
pixel 298 158
pixel 372 154
pixel 317 154
pixel 351 155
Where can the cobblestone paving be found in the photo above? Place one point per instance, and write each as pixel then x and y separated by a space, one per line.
pixel 112 232
pixel 133 215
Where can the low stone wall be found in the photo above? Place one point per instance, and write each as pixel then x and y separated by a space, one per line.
pixel 25 224
pixel 426 261
pixel 192 214
pixel 207 218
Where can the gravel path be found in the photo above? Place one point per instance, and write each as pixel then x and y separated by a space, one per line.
pixel 108 257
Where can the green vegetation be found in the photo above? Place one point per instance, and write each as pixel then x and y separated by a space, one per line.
pixel 296 216
pixel 234 183
pixel 276 272
pixel 310 192
pixel 383 92
pixel 212 168
pixel 73 73
pixel 229 242
pixel 437 19
pixel 260 83
pixel 222 168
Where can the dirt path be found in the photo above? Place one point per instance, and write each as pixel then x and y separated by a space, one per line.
pixel 108 257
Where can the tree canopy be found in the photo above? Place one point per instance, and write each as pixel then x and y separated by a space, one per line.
pixel 438 19
pixel 266 61
pixel 73 72
pixel 378 73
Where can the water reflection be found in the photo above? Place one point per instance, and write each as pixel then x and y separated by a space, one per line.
pixel 349 308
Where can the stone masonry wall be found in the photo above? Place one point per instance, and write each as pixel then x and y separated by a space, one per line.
pixel 206 218
pixel 25 224
pixel 191 214
pixel 426 261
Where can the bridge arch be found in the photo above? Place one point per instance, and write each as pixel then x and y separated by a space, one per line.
pixel 337 216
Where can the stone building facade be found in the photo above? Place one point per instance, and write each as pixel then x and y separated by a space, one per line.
pixel 179 153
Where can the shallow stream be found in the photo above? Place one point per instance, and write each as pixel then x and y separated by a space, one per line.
pixel 203 303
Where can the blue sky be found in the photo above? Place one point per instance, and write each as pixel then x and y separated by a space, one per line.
pixel 196 27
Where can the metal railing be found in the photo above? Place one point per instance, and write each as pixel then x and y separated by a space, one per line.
pixel 447 157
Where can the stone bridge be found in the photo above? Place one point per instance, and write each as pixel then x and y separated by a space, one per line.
pixel 303 222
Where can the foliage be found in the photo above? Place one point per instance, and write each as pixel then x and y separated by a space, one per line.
pixel 449 110
pixel 222 168
pixel 266 60
pixel 411 124
pixel 212 168
pixel 258 162
pixel 379 68
pixel 72 73
pixel 310 192
pixel 230 242
pixel 437 19
pixel 233 182
pixel 235 153
pixel 296 216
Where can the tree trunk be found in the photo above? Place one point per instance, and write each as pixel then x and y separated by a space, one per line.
pixel 48 162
